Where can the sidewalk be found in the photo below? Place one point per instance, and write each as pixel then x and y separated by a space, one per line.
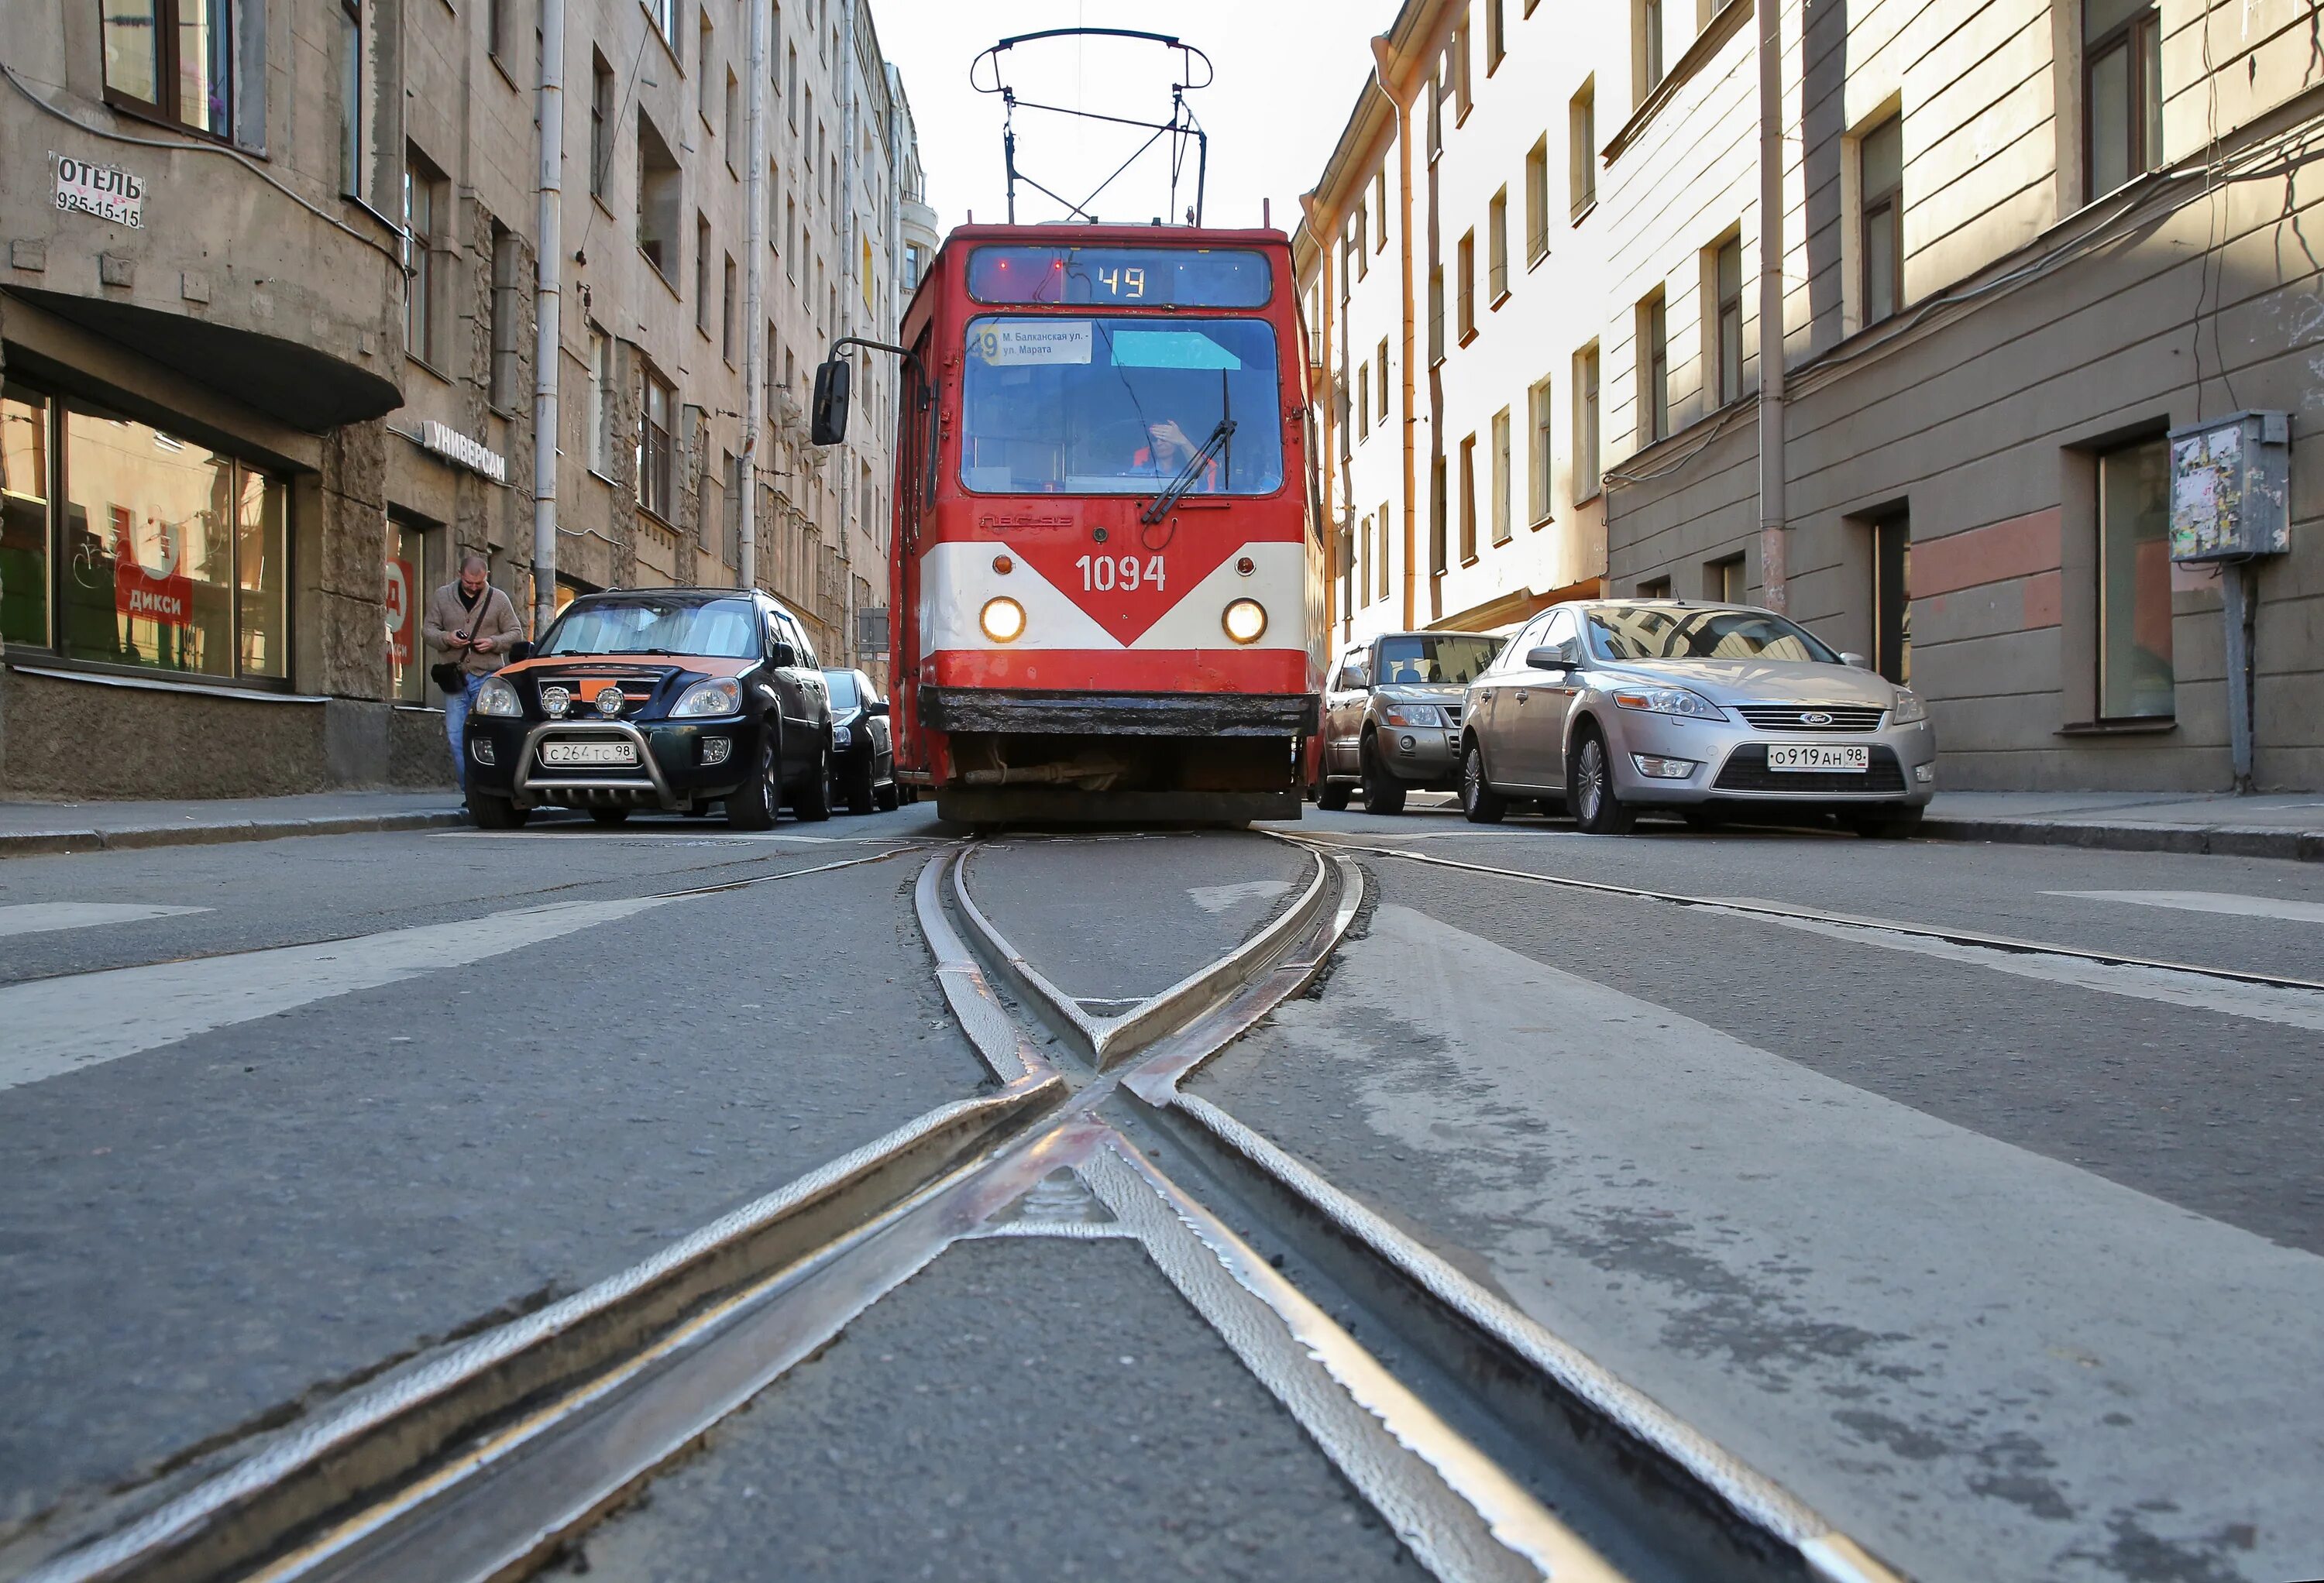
pixel 35 829
pixel 2279 824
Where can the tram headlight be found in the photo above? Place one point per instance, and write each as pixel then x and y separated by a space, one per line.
pixel 1003 620
pixel 1245 621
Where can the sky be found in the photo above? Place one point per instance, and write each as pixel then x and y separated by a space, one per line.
pixel 1288 75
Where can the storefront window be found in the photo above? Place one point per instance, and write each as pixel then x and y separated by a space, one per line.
pixel 262 619
pixel 2136 677
pixel 408 587
pixel 166 555
pixel 23 518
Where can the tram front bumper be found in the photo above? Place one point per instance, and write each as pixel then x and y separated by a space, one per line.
pixel 1017 712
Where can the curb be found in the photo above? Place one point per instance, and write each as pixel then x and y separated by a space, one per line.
pixel 2300 846
pixel 37 844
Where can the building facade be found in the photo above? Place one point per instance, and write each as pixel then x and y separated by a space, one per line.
pixel 269 316
pixel 2018 244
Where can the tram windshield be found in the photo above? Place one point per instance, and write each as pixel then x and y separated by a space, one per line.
pixel 1121 406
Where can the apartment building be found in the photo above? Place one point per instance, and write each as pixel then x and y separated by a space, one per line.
pixel 2019 245
pixel 268 337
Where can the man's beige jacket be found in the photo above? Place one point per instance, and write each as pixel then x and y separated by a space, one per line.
pixel 496 618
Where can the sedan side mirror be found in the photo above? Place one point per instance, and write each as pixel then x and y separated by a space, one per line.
pixel 1851 657
pixel 782 656
pixel 1556 657
pixel 522 649
pixel 830 417
pixel 877 707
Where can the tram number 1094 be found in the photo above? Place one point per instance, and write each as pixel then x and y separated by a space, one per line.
pixel 1103 572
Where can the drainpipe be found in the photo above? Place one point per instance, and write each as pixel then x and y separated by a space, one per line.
pixel 1383 53
pixel 1774 574
pixel 755 371
pixel 547 336
pixel 851 284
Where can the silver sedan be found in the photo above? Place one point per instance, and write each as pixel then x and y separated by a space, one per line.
pixel 1612 706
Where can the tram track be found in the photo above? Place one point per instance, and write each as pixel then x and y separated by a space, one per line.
pixel 490 1460
pixel 1819 919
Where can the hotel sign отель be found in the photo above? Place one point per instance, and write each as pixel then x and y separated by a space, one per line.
pixel 100 191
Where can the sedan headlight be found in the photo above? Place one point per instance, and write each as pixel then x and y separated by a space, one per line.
pixel 722 696
pixel 1669 700
pixel 842 737
pixel 1907 708
pixel 496 697
pixel 1413 715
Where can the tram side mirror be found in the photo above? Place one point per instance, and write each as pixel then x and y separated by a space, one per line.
pixel 830 418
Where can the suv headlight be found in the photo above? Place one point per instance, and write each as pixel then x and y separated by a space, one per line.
pixel 1907 708
pixel 1413 715
pixel 722 696
pixel 1668 701
pixel 496 697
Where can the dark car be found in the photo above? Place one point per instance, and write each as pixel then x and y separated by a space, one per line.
pixel 862 744
pixel 666 698
pixel 1392 716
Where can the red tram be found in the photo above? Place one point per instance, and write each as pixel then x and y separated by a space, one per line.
pixel 1106 578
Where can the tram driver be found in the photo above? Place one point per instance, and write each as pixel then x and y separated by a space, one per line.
pixel 1167 449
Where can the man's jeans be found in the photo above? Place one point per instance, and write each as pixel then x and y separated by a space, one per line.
pixel 456 726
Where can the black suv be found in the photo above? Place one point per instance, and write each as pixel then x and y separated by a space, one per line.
pixel 669 698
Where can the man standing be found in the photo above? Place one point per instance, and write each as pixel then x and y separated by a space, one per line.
pixel 470 625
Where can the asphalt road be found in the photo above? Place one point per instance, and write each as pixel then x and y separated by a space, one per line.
pixel 2006 1263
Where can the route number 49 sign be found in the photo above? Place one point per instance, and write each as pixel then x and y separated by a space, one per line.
pixel 99 191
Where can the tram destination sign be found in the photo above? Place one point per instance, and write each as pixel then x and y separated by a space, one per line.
pixel 1133 277
pixel 101 190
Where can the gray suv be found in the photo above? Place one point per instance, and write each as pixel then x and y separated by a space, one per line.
pixel 1392 716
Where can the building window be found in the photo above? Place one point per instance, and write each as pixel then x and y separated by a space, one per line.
pixel 1586 479
pixel 914 259
pixel 1881 230
pixel 601 124
pixel 1364 402
pixel 1501 529
pixel 727 308
pixel 702 68
pixel 733 123
pixel 1536 202
pixel 425 207
pixel 659 186
pixel 2135 679
pixel 1655 589
pixel 790 83
pixel 664 13
pixel 496 21
pixel 1381 357
pixel 1460 73
pixel 508 267
pixel 1646 23
pixel 1362 252
pixel 1380 205
pixel 351 103
pixel 1364 563
pixel 1582 149
pixel 1437 112
pixel 1497 34
pixel 702 274
pixel 1892 598
pixel 2122 92
pixel 172 59
pixel 1469 499
pixel 1385 527
pixel 1727 320
pixel 166 555
pixel 1464 286
pixel 1722 580
pixel 601 410
pixel 1497 247
pixel 1537 457
pixel 657 457
pixel 1653 370
pixel 790 237
pixel 1436 314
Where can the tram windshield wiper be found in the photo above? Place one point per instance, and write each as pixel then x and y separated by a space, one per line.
pixel 1193 469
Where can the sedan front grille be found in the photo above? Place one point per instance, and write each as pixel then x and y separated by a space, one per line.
pixel 1746 770
pixel 1811 716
